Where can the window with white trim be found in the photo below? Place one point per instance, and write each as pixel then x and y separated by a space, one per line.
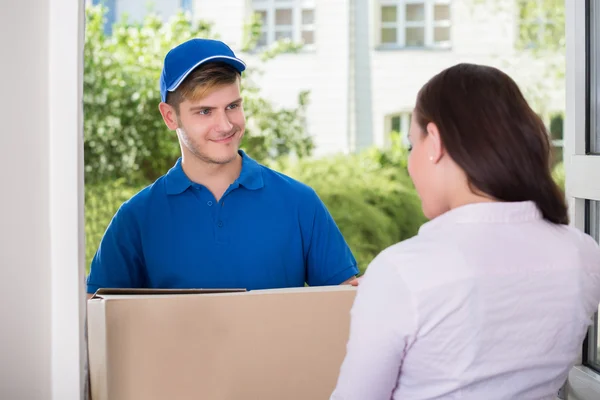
pixel 409 23
pixel 397 124
pixel 286 19
pixel 556 131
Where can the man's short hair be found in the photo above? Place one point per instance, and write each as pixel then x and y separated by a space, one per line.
pixel 203 81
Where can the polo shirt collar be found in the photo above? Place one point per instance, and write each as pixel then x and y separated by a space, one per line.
pixel 250 177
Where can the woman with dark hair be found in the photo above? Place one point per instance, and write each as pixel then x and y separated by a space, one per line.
pixel 492 299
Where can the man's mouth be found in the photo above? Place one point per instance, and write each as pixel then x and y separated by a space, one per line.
pixel 225 138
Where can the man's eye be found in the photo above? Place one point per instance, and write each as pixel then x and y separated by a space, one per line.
pixel 206 111
pixel 233 106
pixel 410 147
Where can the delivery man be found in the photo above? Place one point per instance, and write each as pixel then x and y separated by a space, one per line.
pixel 217 218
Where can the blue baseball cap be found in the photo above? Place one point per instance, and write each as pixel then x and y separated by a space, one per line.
pixel 183 59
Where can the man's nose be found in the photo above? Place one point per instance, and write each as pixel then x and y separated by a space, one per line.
pixel 224 125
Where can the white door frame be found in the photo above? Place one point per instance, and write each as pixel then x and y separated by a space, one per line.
pixel 582 170
pixel 66 198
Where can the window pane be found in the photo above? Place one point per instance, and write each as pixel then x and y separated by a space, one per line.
pixel 593 229
pixel 308 37
pixel 556 127
pixel 283 16
pixel 283 35
pixel 415 12
pixel 595 141
pixel 597 339
pixel 396 124
pixel 308 17
pixel 441 34
pixel 441 12
pixel 262 39
pixel 388 35
pixel 389 14
pixel 187 5
pixel 415 37
pixel 594 219
pixel 557 155
pixel 556 137
pixel 594 133
pixel 262 15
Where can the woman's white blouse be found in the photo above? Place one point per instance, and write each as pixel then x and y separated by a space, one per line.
pixel 488 301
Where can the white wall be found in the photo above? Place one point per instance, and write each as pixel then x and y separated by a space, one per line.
pixel 137 9
pixel 25 230
pixel 41 278
pixel 228 18
pixel 354 85
pixel 479 34
pixel 356 95
pixel 361 111
pixel 323 71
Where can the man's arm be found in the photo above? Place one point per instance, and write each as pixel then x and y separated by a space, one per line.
pixel 329 260
pixel 118 260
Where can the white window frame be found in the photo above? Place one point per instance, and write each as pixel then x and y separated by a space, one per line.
pixel 582 171
pixel 404 126
pixel 296 28
pixel 429 24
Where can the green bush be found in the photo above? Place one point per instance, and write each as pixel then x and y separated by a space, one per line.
pixel 374 206
pixel 101 202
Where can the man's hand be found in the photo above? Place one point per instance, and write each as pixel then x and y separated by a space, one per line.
pixel 354 281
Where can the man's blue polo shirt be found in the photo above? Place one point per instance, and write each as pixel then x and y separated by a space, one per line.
pixel 267 231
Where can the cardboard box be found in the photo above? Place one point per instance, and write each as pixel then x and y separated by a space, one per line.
pixel 194 344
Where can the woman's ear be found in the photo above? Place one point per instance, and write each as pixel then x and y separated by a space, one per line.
pixel 435 147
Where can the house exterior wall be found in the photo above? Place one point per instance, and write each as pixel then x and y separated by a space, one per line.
pixel 137 9
pixel 355 83
pixel 323 70
pixel 479 34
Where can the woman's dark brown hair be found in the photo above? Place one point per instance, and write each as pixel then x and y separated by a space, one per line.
pixel 490 131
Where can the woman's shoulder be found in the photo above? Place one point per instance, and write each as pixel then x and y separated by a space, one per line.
pixel 422 248
pixel 585 245
pixel 415 256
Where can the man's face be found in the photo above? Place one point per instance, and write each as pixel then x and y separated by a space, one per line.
pixel 212 128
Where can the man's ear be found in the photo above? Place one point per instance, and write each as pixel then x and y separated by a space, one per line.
pixel 169 115
pixel 435 146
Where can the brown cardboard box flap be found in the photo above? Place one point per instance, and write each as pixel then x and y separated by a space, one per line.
pixel 264 344
pixel 104 293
